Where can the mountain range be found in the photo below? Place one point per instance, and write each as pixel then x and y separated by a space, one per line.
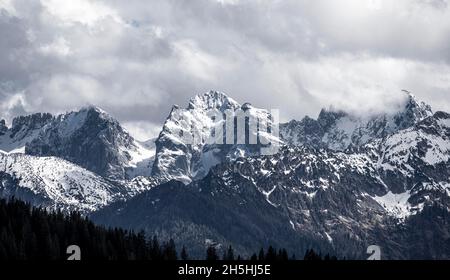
pixel 338 183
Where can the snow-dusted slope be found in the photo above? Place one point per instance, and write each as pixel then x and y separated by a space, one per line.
pixel 402 172
pixel 142 156
pixel 56 183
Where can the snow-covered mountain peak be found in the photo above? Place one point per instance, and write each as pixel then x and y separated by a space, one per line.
pixel 70 122
pixel 213 100
pixel 190 143
pixel 415 103
pixel 412 112
pixel 93 109
pixel 96 141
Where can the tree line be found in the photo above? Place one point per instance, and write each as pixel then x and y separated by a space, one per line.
pixel 30 233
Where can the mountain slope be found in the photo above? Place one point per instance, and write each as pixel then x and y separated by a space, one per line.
pixel 56 184
pixel 199 215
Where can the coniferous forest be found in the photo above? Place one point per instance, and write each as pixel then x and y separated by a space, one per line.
pixel 29 233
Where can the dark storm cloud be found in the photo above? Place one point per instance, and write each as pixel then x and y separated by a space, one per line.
pixel 136 58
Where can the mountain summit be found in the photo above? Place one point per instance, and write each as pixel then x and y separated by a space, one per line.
pixel 92 139
pixel 177 158
pixel 213 100
pixel 89 137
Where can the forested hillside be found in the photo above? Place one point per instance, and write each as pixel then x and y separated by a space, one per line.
pixel 29 233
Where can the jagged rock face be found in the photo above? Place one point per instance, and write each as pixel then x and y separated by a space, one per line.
pixel 177 158
pixel 21 126
pixel 89 138
pixel 337 130
pixel 3 127
pixel 307 131
pixel 24 129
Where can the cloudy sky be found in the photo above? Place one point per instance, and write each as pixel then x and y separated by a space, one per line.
pixel 136 58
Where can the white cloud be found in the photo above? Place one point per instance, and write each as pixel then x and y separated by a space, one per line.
pixel 59 47
pixel 228 2
pixel 417 29
pixel 199 63
pixel 7 5
pixel 143 130
pixel 11 106
pixel 79 11
pixel 135 59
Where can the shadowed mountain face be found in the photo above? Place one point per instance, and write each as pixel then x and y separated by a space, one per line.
pixel 75 161
pixel 338 184
pixel 89 137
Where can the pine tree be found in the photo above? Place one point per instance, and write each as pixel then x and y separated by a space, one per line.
pixel 155 249
pixel 229 254
pixel 211 254
pixel 184 254
pixel 283 255
pixel 271 254
pixel 261 255
pixel 310 255
pixel 169 251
